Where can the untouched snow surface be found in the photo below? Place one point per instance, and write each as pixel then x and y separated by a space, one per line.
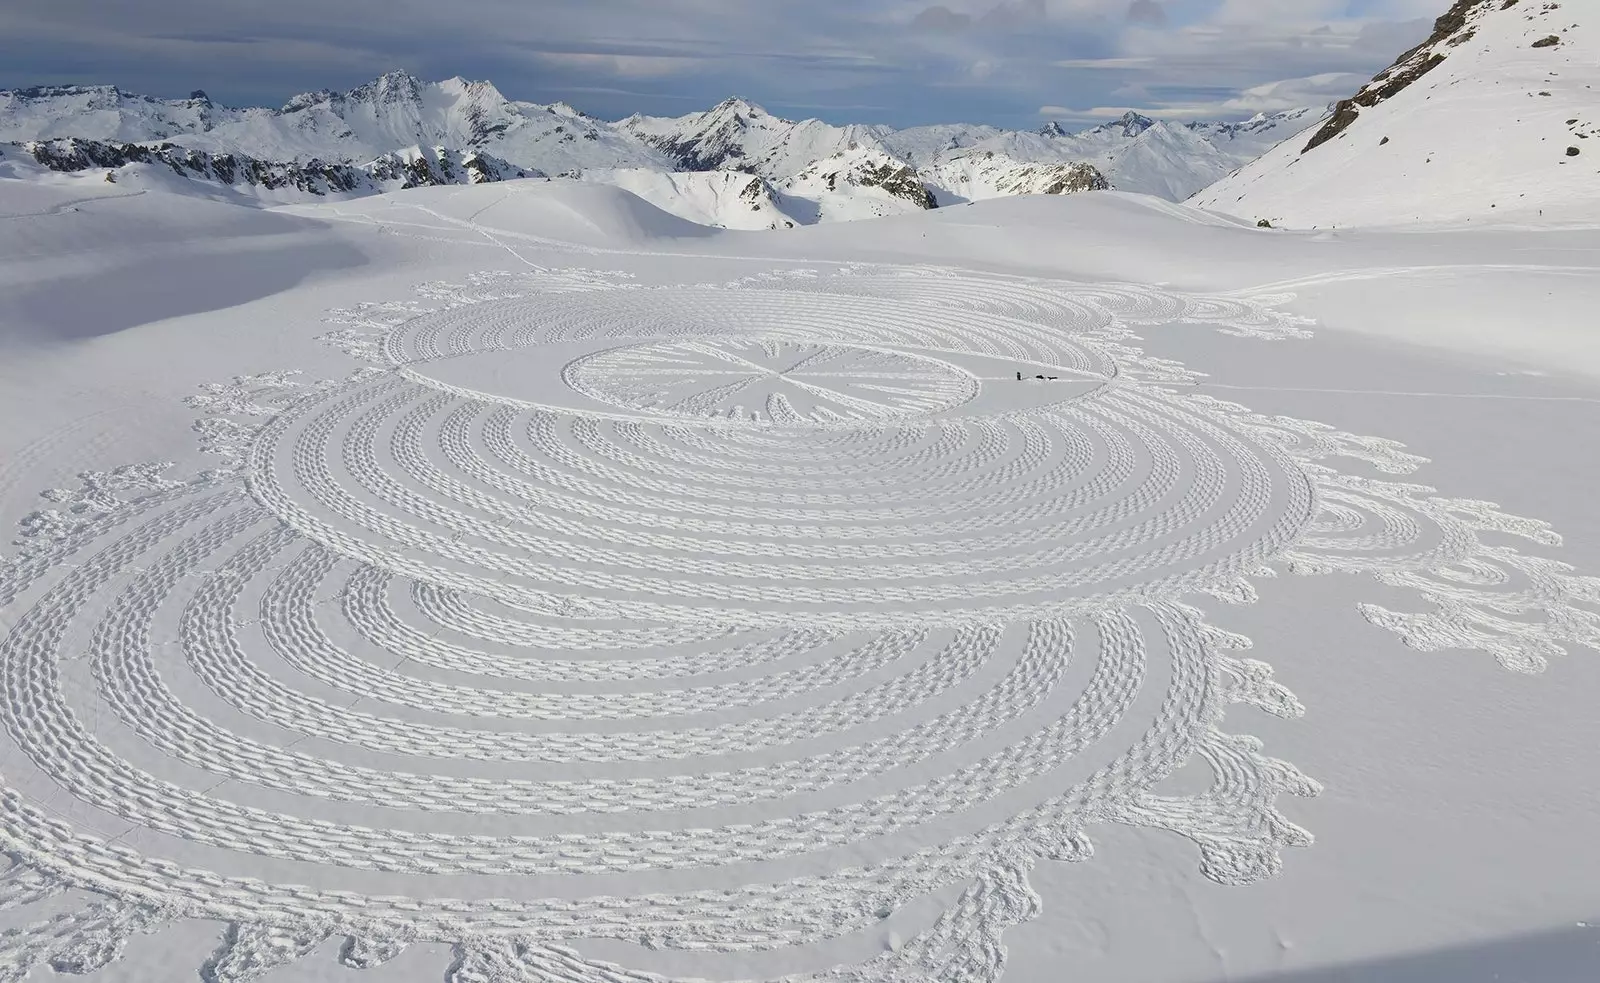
pixel 1498 129
pixel 520 583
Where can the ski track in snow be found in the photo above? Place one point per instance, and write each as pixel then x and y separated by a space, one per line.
pixel 727 618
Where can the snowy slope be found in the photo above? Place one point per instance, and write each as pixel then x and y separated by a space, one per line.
pixel 721 199
pixel 1491 119
pixel 102 112
pixel 739 135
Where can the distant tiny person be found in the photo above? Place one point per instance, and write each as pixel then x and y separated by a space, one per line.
pixel 1019 376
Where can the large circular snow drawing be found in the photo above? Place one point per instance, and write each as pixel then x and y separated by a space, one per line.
pixel 773 380
pixel 940 469
pixel 549 638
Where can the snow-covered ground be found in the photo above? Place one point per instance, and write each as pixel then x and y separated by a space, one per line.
pixel 518 582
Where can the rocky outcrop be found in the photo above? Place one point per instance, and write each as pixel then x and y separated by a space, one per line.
pixel 1052 179
pixel 402 169
pixel 1451 29
pixel 898 180
pixel 861 167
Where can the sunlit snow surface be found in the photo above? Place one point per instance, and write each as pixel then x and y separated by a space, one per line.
pixel 520 583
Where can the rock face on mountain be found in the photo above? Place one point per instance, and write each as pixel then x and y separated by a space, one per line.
pixel 1485 121
pixel 411 168
pixel 980 174
pixel 1450 30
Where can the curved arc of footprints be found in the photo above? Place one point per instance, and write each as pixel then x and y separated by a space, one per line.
pixel 850 635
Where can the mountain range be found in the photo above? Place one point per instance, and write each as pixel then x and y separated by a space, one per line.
pixel 734 165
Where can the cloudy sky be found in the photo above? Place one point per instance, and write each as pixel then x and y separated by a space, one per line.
pixel 1008 62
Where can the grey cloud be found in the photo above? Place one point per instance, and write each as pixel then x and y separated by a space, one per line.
pixel 941 20
pixel 1008 15
pixel 1014 14
pixel 1147 12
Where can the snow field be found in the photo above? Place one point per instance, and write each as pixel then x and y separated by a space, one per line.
pixel 736 620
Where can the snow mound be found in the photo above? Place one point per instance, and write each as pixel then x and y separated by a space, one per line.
pixel 1487 121
pixel 721 199
pixel 531 211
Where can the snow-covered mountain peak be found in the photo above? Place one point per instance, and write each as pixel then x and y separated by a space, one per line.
pixel 305 100
pixel 390 87
pixel 736 106
pixel 1129 124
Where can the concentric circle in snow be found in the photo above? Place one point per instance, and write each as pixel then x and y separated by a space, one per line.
pixel 756 479
pixel 771 380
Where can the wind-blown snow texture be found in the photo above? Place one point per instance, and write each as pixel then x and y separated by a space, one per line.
pixel 812 171
pixel 1491 120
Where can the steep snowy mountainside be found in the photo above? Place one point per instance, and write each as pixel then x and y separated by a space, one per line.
pixel 1490 119
pixel 1133 152
pixel 102 112
pixel 979 174
pixel 397 110
pixel 386 115
pixel 739 135
pixel 1261 132
pixel 857 182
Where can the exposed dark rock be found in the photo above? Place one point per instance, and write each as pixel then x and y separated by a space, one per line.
pixel 897 179
pixel 1409 67
pixel 313 176
pixel 1572 151
pixel 1549 41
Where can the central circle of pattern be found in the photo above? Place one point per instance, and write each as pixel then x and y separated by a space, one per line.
pixel 772 380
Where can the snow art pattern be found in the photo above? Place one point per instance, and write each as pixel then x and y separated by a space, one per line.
pixel 729 619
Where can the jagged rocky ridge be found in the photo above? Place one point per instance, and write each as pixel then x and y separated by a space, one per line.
pixel 418 167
